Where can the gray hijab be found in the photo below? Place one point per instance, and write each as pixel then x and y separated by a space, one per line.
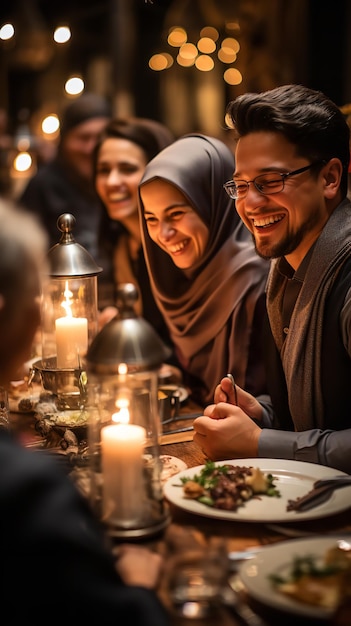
pixel 209 315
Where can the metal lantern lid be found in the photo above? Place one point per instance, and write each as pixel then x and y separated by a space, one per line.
pixel 68 258
pixel 127 339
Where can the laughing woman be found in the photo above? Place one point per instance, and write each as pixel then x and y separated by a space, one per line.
pixel 206 277
pixel 124 149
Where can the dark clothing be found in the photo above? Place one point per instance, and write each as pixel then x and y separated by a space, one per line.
pixel 54 554
pixel 308 415
pixel 54 190
pixel 335 365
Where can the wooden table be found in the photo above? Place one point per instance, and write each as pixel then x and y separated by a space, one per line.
pixel 187 530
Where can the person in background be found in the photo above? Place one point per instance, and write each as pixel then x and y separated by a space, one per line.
pixel 290 186
pixel 121 155
pixel 55 556
pixel 65 184
pixel 206 277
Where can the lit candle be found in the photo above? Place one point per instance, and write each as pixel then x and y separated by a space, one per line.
pixel 122 447
pixel 71 341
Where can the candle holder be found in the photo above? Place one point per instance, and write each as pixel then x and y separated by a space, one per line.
pixel 124 426
pixel 69 317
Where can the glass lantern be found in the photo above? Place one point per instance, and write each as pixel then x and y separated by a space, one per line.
pixel 124 426
pixel 69 317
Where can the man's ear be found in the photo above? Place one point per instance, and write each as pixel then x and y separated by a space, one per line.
pixel 332 174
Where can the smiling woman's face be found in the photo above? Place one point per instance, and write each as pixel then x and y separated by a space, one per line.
pixel 119 169
pixel 173 224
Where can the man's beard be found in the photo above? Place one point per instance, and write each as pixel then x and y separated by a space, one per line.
pixel 282 248
pixel 289 243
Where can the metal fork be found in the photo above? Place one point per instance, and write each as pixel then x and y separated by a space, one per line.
pixel 338 481
pixel 321 492
pixel 231 378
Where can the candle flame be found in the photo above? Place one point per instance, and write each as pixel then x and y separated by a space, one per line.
pixel 122 415
pixel 67 303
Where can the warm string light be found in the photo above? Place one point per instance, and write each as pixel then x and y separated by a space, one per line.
pixel 202 54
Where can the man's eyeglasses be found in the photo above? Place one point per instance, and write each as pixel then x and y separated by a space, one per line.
pixel 270 183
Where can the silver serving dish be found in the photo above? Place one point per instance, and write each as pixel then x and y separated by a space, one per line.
pixel 68 385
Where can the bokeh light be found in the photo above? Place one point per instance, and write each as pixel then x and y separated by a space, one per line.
pixel 232 76
pixel 206 45
pixel 188 51
pixel 177 37
pixel 230 42
pixel 74 85
pixel 23 162
pixel 50 124
pixel 7 31
pixel 209 31
pixel 185 62
pixel 161 61
pixel 226 55
pixel 204 63
pixel 62 34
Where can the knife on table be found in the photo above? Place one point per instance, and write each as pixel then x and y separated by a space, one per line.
pixel 178 435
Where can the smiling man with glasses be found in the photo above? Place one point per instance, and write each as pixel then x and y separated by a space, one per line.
pixel 268 184
pixel 290 190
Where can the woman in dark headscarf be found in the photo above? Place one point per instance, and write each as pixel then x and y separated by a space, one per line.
pixel 206 277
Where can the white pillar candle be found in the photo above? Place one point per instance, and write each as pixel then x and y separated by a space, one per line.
pixel 71 341
pixel 122 447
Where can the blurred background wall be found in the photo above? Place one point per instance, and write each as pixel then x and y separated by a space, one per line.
pixel 124 50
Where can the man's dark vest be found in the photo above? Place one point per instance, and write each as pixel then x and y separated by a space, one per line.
pixel 335 369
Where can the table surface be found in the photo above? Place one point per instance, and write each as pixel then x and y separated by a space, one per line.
pixel 238 536
pixel 187 530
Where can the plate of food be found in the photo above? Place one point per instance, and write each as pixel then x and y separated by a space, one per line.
pixel 302 577
pixel 259 490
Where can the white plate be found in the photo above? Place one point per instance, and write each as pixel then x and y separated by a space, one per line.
pixel 170 465
pixel 294 479
pixel 278 559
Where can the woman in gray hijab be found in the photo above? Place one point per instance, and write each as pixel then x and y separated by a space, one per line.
pixel 205 275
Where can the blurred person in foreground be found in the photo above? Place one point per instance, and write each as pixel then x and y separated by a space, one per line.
pixel 290 185
pixel 124 149
pixel 206 277
pixel 55 557
pixel 65 184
